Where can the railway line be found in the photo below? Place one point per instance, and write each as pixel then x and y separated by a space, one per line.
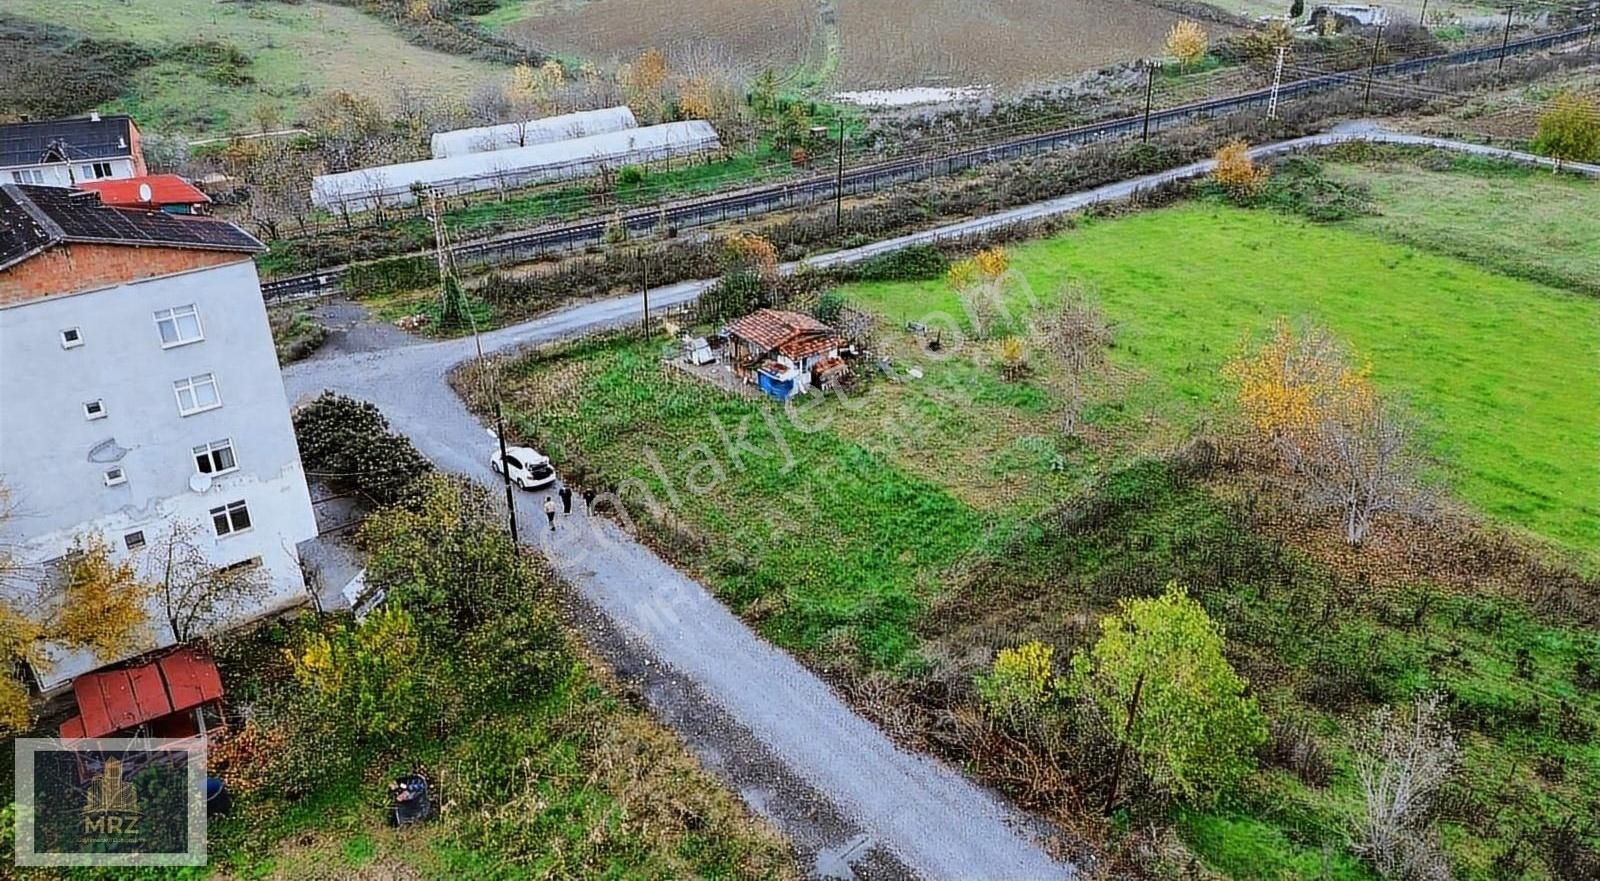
pixel 874 177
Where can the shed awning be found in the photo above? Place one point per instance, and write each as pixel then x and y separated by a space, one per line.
pixel 114 700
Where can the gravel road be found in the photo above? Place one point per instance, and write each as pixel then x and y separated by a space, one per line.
pixel 854 804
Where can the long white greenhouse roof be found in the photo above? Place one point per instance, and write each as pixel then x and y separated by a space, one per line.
pixel 565 127
pixel 520 166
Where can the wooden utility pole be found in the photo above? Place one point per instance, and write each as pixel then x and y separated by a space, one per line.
pixel 1422 17
pixel 838 181
pixel 1127 738
pixel 645 268
pixel 1372 67
pixel 1149 91
pixel 1505 40
pixel 447 285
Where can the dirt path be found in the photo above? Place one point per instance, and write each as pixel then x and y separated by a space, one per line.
pixel 854 804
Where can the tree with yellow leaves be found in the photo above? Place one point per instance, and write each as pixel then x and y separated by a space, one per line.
pixel 980 282
pixel 1187 42
pixel 1350 451
pixel 94 602
pixel 643 83
pixel 1236 172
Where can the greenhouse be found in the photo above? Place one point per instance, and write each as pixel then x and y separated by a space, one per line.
pixel 567 126
pixel 397 185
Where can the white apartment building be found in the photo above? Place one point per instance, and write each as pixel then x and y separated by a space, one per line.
pixel 139 384
pixel 69 152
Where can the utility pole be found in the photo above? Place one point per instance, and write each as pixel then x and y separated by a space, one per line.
pixel 1422 17
pixel 1149 89
pixel 447 282
pixel 1277 80
pixel 1505 40
pixel 646 265
pixel 1127 737
pixel 838 181
pixel 1594 25
pixel 1372 67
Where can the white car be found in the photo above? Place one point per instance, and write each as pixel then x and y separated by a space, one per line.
pixel 529 468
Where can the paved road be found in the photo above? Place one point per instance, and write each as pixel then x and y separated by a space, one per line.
pixel 850 799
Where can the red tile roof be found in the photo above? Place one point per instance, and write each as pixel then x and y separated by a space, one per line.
pixel 789 333
pixel 165 189
pixel 114 700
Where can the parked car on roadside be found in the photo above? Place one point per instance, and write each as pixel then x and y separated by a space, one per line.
pixel 528 468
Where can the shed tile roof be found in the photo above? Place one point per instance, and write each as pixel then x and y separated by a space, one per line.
pixel 84 138
pixel 165 189
pixel 34 218
pixel 790 333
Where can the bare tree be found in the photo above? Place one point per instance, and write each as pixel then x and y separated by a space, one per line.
pixel 1402 763
pixel 1361 461
pixel 1080 338
pixel 196 595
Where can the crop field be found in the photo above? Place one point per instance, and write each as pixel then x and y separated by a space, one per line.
pixel 954 43
pixel 294 52
pixel 749 37
pixel 929 521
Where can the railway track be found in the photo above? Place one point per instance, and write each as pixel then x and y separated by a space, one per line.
pixel 874 177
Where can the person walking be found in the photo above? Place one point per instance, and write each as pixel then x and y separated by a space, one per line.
pixel 588 499
pixel 550 511
pixel 566 499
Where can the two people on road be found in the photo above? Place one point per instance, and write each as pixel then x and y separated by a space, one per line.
pixel 566 504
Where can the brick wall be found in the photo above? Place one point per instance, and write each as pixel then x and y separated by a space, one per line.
pixel 69 268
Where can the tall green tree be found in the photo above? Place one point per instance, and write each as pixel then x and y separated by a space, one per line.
pixel 1160 662
pixel 1570 130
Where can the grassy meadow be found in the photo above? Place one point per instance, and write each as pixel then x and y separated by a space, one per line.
pixel 920 525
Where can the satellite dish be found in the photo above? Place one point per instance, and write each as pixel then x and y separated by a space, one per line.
pixel 144 193
pixel 199 482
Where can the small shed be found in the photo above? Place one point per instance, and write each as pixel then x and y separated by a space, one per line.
pixel 167 697
pixel 779 351
pixel 155 192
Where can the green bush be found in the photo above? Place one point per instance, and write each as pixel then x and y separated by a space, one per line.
pixel 348 443
pixel 394 275
pixel 916 263
pixel 631 175
pixel 828 307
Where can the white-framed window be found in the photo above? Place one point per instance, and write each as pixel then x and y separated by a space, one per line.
pixel 179 325
pixel 95 409
pixel 197 394
pixel 28 176
pixel 115 476
pixel 230 518
pixel 71 338
pixel 134 540
pixel 215 458
pixel 95 170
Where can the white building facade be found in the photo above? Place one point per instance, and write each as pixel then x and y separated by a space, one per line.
pixel 127 407
pixel 69 152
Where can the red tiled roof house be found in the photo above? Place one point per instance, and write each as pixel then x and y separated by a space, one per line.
pixel 780 350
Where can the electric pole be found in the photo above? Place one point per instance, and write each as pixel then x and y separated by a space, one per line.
pixel 838 181
pixel 1277 80
pixel 1372 67
pixel 645 264
pixel 1127 737
pixel 449 287
pixel 1149 90
pixel 1505 40
pixel 1422 17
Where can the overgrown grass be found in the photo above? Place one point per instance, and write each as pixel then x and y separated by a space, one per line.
pixel 1500 367
pixel 826 543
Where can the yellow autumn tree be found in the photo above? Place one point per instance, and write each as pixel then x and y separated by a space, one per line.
pixel 980 283
pixel 745 251
pixel 1187 42
pixel 1236 172
pixel 1297 379
pixel 643 83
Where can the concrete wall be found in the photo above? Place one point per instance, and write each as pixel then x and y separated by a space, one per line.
pixel 53 460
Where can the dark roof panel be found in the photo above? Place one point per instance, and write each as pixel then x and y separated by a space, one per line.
pixel 84 138
pixel 34 218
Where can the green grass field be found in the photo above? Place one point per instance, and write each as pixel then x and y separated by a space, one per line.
pixel 297 52
pixel 1500 368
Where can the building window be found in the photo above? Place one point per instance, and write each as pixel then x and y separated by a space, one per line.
pixel 28 176
pixel 197 394
pixel 231 518
pixel 240 566
pixel 134 540
pixel 71 338
pixel 95 409
pixel 95 170
pixel 179 325
pixel 115 476
pixel 215 458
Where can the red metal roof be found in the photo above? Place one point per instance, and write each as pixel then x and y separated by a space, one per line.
pixel 791 333
pixel 113 700
pixel 165 189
